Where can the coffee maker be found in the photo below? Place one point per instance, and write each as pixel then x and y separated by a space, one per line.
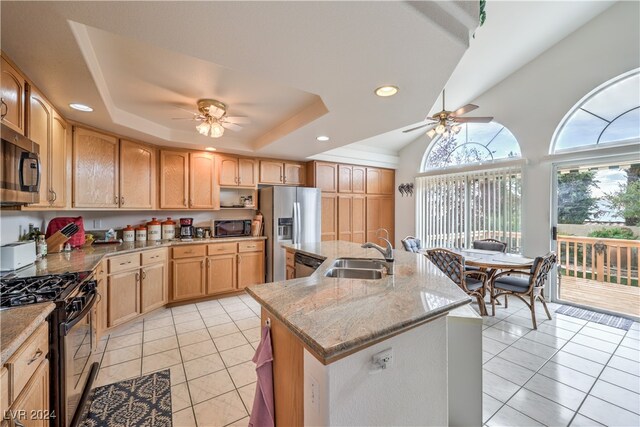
pixel 186 228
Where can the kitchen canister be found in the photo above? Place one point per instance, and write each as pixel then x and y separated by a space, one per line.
pixel 154 230
pixel 141 233
pixel 128 234
pixel 168 229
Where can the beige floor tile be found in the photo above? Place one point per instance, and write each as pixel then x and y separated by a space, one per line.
pixel 556 391
pixel 184 418
pixel 210 386
pixel 158 323
pixel 158 346
pixel 229 341
pixel 209 312
pixel 240 423
pixel 159 361
pixel 218 319
pixel 243 374
pixel 158 313
pixel 255 344
pixel 220 411
pixel 222 330
pixel 187 308
pixel 248 323
pixel 177 374
pixel 568 376
pixel 193 337
pixel 194 351
pixel 230 308
pixel 207 304
pixel 126 329
pixel 156 334
pixel 125 354
pixel 247 394
pixel 242 314
pixel 116 343
pixel 252 334
pixel 229 300
pixel 186 317
pixel 180 398
pixel 192 325
pixel 237 355
pixel 120 372
pixel 205 365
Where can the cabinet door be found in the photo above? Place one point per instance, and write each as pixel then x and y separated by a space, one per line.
pixel 345 178
pixel 373 218
pixel 174 179
pixel 39 131
pixel 228 173
pixel 222 273
pixel 34 399
pixel 137 175
pixel 387 214
pixel 291 273
pixel 154 289
pixel 345 209
pixel 326 176
pixel 329 216
pixel 203 191
pixel 102 306
pixel 373 181
pixel 271 172
pixel 95 170
pixel 58 162
pixel 293 174
pixel 188 276
pixel 247 174
pixel 250 269
pixel 12 87
pixel 359 179
pixel 123 297
pixel 387 181
pixel 358 219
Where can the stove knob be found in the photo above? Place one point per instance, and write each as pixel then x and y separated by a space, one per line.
pixel 76 305
pixel 90 286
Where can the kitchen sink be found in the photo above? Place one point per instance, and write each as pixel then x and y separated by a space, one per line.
pixel 354 273
pixel 367 263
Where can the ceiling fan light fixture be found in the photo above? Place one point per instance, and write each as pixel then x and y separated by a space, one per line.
pixel 216 130
pixel 387 90
pixel 203 128
pixel 440 129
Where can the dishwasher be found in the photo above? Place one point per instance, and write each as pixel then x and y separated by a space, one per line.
pixel 306 265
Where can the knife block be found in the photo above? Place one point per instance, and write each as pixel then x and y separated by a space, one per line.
pixel 55 242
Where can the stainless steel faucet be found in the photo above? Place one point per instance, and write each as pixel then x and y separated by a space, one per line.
pixel 387 252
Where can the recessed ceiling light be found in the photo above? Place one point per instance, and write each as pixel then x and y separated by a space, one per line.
pixel 210 149
pixel 322 138
pixel 81 107
pixel 387 90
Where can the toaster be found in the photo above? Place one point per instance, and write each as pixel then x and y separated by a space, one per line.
pixel 17 255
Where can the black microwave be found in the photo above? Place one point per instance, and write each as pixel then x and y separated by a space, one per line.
pixel 20 180
pixel 232 228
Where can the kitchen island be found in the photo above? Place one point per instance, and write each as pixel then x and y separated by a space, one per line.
pixel 365 352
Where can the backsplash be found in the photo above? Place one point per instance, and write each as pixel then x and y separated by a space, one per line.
pixel 16 223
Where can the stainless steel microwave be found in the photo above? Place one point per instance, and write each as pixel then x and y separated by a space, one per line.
pixel 20 172
pixel 232 228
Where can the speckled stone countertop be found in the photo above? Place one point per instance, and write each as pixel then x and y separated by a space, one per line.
pixel 86 259
pixel 334 317
pixel 17 324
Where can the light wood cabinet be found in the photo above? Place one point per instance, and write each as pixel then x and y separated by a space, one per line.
pixel 100 274
pixel 58 162
pixel 380 214
pixel 324 176
pixel 188 278
pixel 174 179
pixel 329 215
pixel 222 273
pixel 294 173
pixel 39 131
pixel 95 170
pixel 345 178
pixel 203 191
pixel 34 400
pixel 12 97
pixel 137 175
pixel 123 296
pixel 247 174
pixel 154 287
pixel 359 179
pixel 278 172
pixel 380 181
pixel 250 269
pixel 345 210
pixel 236 172
pixel 352 218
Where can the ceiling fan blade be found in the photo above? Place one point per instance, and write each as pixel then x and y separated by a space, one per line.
pixel 464 110
pixel 237 119
pixel 416 128
pixel 231 126
pixel 473 119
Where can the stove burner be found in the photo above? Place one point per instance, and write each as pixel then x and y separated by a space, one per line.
pixel 31 290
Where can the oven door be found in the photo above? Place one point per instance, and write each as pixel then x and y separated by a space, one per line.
pixel 79 340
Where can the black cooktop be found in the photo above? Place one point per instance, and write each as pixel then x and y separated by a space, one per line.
pixel 30 290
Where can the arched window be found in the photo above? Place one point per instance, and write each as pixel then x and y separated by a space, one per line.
pixel 609 114
pixel 474 143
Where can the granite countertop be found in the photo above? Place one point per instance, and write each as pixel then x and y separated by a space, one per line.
pixel 88 258
pixel 17 324
pixel 334 317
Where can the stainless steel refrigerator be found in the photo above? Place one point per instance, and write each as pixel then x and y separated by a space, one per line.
pixel 291 215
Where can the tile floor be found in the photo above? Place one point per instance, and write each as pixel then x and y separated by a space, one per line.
pixel 568 372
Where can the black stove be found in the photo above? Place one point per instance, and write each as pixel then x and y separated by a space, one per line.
pixel 30 290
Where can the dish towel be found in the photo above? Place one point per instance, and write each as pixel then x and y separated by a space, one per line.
pixel 262 413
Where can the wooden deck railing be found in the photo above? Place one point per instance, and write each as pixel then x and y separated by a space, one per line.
pixel 603 260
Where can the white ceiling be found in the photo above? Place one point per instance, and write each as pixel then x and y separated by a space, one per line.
pixel 514 33
pixel 296 69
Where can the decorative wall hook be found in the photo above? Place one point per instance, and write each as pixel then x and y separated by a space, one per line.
pixel 406 189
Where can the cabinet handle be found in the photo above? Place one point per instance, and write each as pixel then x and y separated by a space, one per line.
pixel 284 179
pixel 115 200
pixel 202 264
pixel 208 262
pixel 5 107
pixel 137 277
pixel 122 200
pixel 188 252
pixel 190 202
pixel 184 202
pixel 35 357
pixel 144 275
pixel 239 181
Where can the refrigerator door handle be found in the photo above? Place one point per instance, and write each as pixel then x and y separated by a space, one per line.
pixel 299 224
pixel 296 223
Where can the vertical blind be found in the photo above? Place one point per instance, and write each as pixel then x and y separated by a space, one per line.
pixel 453 210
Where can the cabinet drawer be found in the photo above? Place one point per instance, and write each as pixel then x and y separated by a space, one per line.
pixel 154 257
pixel 26 360
pixel 4 392
pixel 253 246
pixel 124 262
pixel 189 251
pixel 291 259
pixel 222 248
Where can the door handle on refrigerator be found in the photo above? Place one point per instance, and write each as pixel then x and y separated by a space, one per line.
pixel 295 238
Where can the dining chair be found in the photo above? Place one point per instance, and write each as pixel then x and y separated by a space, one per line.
pixel 474 283
pixel 490 245
pixel 411 244
pixel 531 286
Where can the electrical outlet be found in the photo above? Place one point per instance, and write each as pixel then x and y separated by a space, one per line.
pixel 314 393
pixel 97 224
pixel 382 360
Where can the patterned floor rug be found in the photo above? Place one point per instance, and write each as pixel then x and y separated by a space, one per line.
pixel 593 316
pixel 139 402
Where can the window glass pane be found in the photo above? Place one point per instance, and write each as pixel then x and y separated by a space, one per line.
pixel 615 99
pixel 581 129
pixel 626 126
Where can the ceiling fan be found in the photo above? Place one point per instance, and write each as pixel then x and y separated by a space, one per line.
pixel 448 122
pixel 213 118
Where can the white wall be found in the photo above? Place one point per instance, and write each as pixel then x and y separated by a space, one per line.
pixel 532 102
pixel 15 223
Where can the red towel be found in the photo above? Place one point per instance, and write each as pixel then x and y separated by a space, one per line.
pixel 262 413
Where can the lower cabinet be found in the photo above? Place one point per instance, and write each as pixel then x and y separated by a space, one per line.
pixel 250 269
pixel 188 278
pixel 123 296
pixel 100 274
pixel 222 273
pixel 153 291
pixel 34 400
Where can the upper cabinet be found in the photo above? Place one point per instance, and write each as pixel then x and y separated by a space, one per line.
pixel 39 131
pixel 174 179
pixel 137 175
pixel 58 162
pixel 351 179
pixel 188 180
pixel 95 170
pixel 12 98
pixel 324 176
pixel 237 172
pixel 278 172
pixel 203 193
pixel 380 181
